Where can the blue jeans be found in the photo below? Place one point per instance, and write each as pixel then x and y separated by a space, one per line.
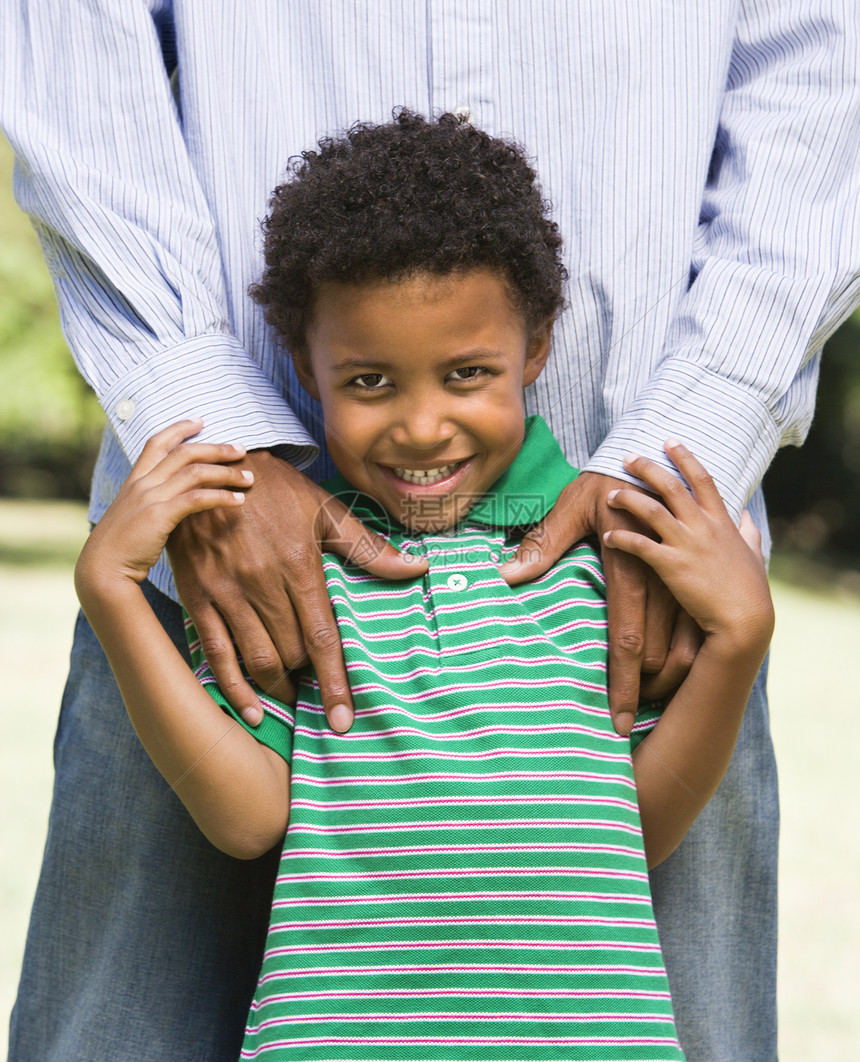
pixel 715 901
pixel 145 942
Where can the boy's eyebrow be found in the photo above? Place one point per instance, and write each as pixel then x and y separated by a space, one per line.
pixel 381 365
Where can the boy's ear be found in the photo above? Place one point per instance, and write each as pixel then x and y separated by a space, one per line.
pixel 537 352
pixel 302 365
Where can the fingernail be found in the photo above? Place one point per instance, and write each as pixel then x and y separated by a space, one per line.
pixel 611 496
pixel 252 716
pixel 247 475
pixel 239 496
pixel 630 458
pixel 340 718
pixel 671 444
pixel 623 722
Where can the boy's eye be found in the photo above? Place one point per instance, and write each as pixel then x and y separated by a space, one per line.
pixel 370 381
pixel 469 372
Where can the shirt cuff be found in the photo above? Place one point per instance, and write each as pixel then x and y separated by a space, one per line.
pixel 725 426
pixel 212 377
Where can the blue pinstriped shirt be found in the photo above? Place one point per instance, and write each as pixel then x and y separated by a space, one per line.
pixel 701 160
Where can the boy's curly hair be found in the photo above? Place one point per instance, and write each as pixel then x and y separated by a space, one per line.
pixel 386 202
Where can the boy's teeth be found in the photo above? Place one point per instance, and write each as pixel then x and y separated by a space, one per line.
pixel 425 477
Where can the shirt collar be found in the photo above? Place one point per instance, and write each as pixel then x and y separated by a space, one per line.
pixel 521 496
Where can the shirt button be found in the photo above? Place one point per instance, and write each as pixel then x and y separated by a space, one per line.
pixel 125 409
pixel 457 581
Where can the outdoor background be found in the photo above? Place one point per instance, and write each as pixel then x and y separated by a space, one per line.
pixel 49 430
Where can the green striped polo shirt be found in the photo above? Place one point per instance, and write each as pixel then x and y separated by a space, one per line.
pixel 463 876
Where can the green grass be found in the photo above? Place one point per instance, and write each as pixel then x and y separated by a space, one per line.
pixel 814 684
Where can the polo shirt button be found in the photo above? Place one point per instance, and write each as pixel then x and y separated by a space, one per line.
pixel 457 581
pixel 125 409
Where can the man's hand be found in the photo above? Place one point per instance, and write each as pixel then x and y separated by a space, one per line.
pixel 648 634
pixel 254 574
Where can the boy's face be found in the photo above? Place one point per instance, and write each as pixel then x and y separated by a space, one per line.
pixel 421 386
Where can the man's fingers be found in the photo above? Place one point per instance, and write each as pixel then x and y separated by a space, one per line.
pixel 217 647
pixel 268 658
pixel 567 522
pixel 344 534
pixel 324 649
pixel 660 614
pixel 322 644
pixel 686 642
pixel 625 601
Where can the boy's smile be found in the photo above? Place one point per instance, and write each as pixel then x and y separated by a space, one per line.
pixel 421 386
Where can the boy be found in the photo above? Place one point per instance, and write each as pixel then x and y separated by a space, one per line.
pixel 464 873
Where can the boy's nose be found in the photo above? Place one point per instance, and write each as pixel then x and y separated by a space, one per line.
pixel 423 427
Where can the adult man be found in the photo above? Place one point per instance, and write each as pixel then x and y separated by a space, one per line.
pixel 700 160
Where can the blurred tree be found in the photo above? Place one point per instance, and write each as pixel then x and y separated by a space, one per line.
pixel 50 421
pixel 813 493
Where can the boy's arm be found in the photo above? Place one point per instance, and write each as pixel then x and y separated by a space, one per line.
pixel 236 789
pixel 717 575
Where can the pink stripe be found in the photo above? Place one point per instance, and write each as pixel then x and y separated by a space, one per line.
pixel 459 993
pixel 356 805
pixel 444 897
pixel 526 595
pixel 464 736
pixel 469 735
pixel 354 613
pixel 392 683
pixel 368 637
pixel 477 824
pixel 453 1015
pixel 430 650
pixel 402 755
pixel 489 920
pixel 491 601
pixel 362 608
pixel 537 871
pixel 515 620
pixel 428 777
pixel 649 1041
pixel 528 709
pixel 537 968
pixel 564 657
pixel 490 684
pixel 445 611
pixel 444 945
pixel 464 757
pixel 324 853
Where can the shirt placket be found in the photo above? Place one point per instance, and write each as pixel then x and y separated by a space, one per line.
pixel 460 58
pixel 455 579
